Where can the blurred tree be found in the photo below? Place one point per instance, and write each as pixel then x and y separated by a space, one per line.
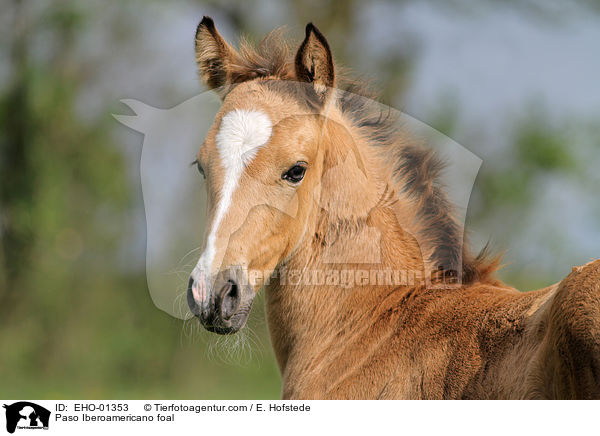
pixel 16 168
pixel 59 175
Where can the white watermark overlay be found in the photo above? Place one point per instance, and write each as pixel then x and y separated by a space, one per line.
pixel 176 205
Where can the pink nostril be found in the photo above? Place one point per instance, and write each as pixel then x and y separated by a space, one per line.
pixel 199 289
pixel 196 292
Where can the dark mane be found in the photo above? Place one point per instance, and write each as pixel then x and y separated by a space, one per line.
pixel 417 169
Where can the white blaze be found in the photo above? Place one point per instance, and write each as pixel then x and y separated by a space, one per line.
pixel 240 136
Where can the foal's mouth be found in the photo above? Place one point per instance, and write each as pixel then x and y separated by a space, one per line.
pixel 214 324
pixel 221 329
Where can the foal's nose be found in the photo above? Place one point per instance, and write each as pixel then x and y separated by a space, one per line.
pixel 216 303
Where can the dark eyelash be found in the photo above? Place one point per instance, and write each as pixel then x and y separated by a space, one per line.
pixel 197 164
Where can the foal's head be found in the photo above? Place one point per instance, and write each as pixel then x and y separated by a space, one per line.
pixel 268 161
pixel 262 160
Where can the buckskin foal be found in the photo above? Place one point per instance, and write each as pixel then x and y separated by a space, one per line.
pixel 306 178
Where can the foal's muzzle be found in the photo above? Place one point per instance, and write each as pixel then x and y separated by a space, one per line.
pixel 222 304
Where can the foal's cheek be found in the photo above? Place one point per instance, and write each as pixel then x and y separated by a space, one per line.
pixel 267 254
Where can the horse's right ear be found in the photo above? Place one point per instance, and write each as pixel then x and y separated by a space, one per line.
pixel 314 62
pixel 213 56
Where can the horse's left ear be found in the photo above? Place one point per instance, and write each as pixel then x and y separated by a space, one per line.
pixel 314 62
pixel 214 57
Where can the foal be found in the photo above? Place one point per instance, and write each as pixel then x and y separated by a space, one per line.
pixel 305 180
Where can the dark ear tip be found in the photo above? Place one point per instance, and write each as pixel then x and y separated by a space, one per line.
pixel 311 28
pixel 206 22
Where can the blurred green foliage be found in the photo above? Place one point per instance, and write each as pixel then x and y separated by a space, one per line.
pixel 73 323
pixel 537 149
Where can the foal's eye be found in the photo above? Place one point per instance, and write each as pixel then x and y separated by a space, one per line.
pixel 296 173
pixel 200 169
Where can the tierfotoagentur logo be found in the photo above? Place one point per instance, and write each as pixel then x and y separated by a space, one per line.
pixel 25 415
